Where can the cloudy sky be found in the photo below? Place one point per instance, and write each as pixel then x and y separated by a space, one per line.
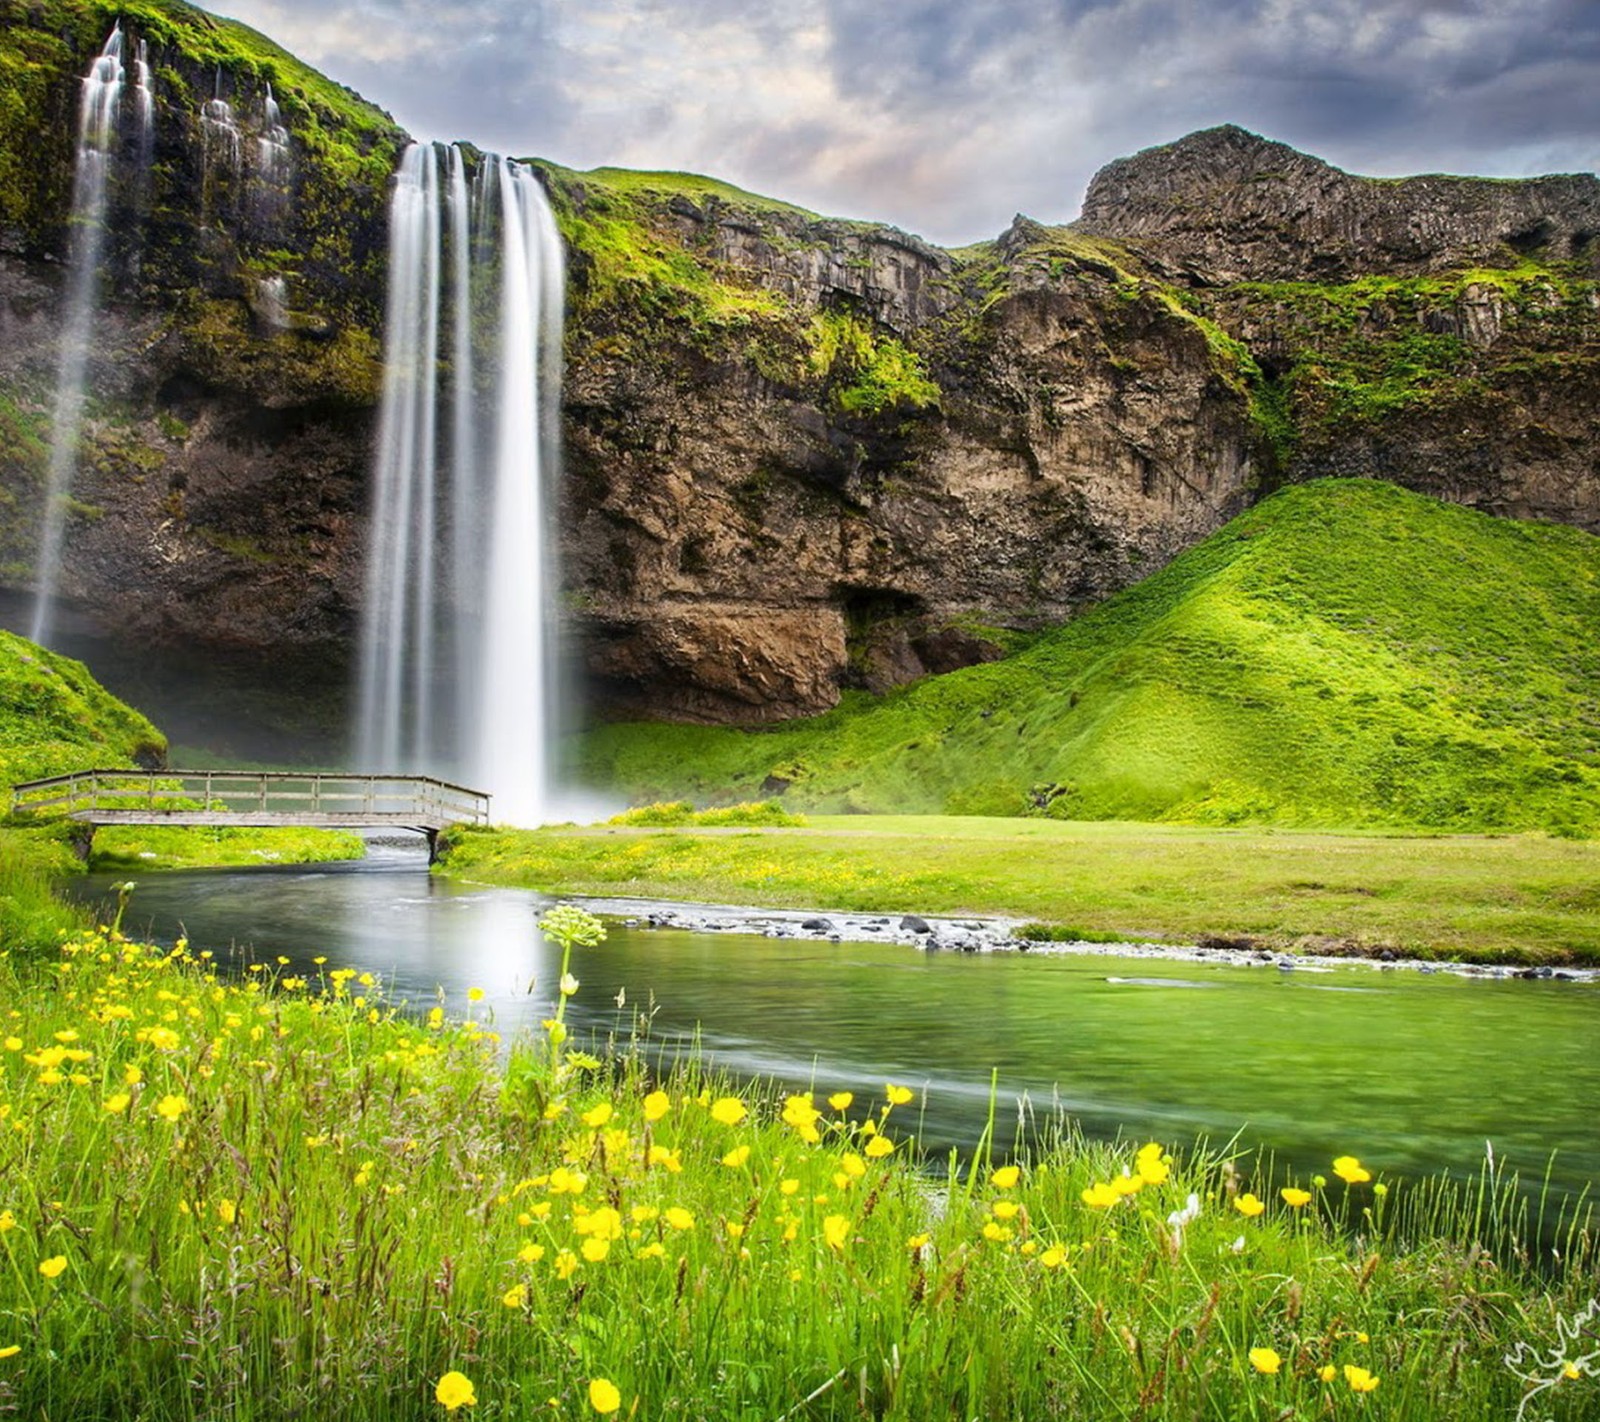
pixel 948 116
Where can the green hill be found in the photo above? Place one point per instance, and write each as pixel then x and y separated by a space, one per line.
pixel 55 717
pixel 1345 654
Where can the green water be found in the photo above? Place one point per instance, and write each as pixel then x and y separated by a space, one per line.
pixel 1410 1072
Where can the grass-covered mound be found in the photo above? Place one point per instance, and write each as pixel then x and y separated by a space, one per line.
pixel 55 717
pixel 225 1196
pixel 1345 654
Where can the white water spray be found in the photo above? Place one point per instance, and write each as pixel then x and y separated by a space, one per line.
pixel 496 645
pixel 98 107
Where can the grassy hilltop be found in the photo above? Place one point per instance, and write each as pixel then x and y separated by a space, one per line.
pixel 1345 654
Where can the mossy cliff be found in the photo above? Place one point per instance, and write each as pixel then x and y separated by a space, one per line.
pixel 235 361
pixel 804 455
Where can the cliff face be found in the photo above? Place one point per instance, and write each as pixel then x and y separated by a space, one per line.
pixel 802 454
pixel 1225 205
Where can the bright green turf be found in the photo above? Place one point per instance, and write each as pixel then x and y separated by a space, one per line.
pixel 1345 654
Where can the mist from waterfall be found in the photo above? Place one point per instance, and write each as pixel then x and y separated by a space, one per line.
pixel 100 106
pixel 456 674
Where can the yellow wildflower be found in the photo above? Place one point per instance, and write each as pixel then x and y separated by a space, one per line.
pixel 1327 1372
pixel 1248 1206
pixel 836 1231
pixel 1054 1257
pixel 474 994
pixel 515 1296
pixel 1006 1177
pixel 878 1147
pixel 788 1187
pixel 117 1102
pixel 897 1095
pixel 603 1396
pixel 919 1241
pixel 737 1156
pixel 1151 1165
pixel 54 1267
pixel 728 1110
pixel 531 1253
pixel 227 1211
pixel 171 1107
pixel 660 1155
pixel 1265 1360
pixel 10 1350
pixel 853 1165
pixel 1360 1379
pixel 566 1264
pixel 677 1217
pixel 455 1390
pixel 656 1105
pixel 567 1182
pixel 1101 1196
pixel 7 1221
pixel 840 1100
pixel 1005 1209
pixel 1352 1172
pixel 594 1249
pixel 597 1116
pixel 1294 1198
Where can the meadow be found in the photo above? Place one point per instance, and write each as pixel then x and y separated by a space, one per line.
pixel 1516 898
pixel 232 1192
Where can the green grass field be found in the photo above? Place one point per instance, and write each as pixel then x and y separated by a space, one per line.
pixel 228 1194
pixel 1526 898
pixel 1344 655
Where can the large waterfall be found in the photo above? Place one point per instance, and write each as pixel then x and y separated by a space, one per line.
pixel 458 627
pixel 100 120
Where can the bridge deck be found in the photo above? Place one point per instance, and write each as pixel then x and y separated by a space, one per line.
pixel 253 799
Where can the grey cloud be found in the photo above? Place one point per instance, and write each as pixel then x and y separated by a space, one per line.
pixel 947 117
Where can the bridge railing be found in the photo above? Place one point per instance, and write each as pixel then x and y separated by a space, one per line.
pixel 280 793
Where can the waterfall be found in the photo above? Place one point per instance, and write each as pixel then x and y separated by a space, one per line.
pixel 476 481
pixel 98 106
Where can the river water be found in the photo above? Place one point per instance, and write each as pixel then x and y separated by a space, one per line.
pixel 1411 1072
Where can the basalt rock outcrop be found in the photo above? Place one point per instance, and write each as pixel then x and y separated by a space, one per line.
pixel 802 454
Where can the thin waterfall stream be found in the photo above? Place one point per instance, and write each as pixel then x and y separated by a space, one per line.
pixel 100 141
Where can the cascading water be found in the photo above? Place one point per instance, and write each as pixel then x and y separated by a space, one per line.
pixel 99 106
pixel 497 265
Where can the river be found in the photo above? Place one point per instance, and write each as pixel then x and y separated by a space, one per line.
pixel 1411 1072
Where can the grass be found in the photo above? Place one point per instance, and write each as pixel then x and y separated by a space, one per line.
pixel 158 847
pixel 1345 654
pixel 228 1195
pixel 1525 898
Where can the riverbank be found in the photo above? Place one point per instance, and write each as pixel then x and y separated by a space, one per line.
pixel 417 1220
pixel 1525 900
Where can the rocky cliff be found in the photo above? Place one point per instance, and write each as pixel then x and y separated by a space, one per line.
pixel 802 454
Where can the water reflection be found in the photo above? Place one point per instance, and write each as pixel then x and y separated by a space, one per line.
pixel 1410 1072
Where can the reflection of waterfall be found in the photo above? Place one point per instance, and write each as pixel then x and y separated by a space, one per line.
pixel 497 266
pixel 98 107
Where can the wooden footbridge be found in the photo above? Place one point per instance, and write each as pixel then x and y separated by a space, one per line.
pixel 244 799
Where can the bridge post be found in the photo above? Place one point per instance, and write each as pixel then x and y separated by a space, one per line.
pixel 82 836
pixel 433 845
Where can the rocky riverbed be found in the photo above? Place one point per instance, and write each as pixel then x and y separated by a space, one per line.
pixel 999 935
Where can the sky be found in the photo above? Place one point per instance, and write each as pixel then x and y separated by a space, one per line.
pixel 946 117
